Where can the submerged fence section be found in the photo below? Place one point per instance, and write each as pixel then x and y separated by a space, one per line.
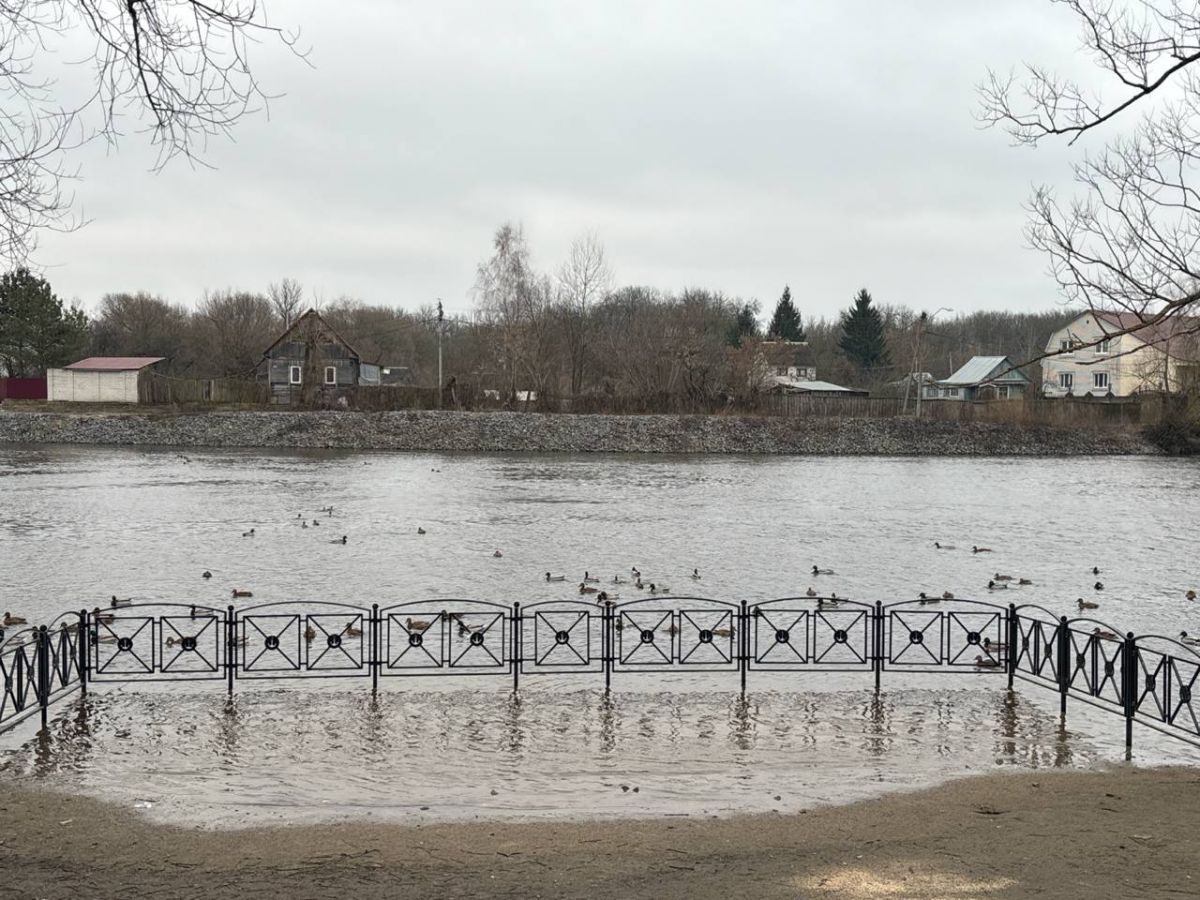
pixel 1149 679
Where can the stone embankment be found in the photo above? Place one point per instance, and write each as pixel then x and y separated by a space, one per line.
pixel 540 433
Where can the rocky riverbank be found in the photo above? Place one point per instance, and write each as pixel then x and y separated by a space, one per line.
pixel 540 433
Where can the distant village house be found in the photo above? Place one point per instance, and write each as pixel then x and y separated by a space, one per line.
pixel 310 358
pixel 982 378
pixel 1087 361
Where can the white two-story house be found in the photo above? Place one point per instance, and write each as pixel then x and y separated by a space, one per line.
pixel 1160 357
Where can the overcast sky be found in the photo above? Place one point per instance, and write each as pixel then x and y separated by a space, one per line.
pixel 733 146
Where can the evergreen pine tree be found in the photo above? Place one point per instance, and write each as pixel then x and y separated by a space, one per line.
pixel 863 340
pixel 36 330
pixel 785 324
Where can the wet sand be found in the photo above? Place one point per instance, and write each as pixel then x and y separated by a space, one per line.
pixel 1121 833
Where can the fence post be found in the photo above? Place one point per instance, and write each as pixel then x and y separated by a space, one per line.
pixel 1011 632
pixel 516 646
pixel 1063 649
pixel 744 646
pixel 230 648
pixel 1130 659
pixel 84 635
pixel 375 661
pixel 877 643
pixel 43 673
pixel 607 645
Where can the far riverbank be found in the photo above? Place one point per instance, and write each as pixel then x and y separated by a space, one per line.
pixel 513 432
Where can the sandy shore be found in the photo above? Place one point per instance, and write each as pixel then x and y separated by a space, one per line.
pixel 1125 833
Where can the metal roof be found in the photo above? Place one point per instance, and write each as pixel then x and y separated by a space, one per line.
pixel 800 385
pixel 115 363
pixel 979 370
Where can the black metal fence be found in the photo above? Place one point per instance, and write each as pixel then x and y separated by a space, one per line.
pixel 1149 679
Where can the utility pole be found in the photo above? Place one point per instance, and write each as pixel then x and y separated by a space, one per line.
pixel 441 317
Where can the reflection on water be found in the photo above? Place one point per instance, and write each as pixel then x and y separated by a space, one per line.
pixel 319 755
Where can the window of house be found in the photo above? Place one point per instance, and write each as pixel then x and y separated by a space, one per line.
pixel 331 374
pixel 951 392
pixel 1103 346
pixel 1064 345
pixel 1100 380
pixel 293 375
pixel 1066 380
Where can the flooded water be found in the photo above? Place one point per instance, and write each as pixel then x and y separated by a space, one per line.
pixel 78 525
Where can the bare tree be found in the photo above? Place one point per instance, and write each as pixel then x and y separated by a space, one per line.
pixel 287 297
pixel 517 303
pixel 239 327
pixel 1128 244
pixel 181 68
pixel 583 280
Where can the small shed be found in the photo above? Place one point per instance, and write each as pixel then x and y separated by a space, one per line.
pixel 99 379
pixel 784 384
pixel 982 378
pixel 310 356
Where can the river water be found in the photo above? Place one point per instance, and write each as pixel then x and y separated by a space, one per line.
pixel 78 525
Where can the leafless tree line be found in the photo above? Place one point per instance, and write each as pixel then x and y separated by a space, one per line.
pixel 563 337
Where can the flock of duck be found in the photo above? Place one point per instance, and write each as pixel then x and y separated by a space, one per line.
pixel 590 585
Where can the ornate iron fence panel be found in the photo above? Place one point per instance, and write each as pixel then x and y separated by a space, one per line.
pixel 1096 658
pixel 63 643
pixel 937 635
pixel 1165 695
pixel 19 673
pixel 446 636
pixel 667 633
pixel 563 636
pixel 1037 648
pixel 304 639
pixel 813 633
pixel 156 642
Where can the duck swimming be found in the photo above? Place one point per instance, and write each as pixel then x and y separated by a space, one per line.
pixel 585 589
pixel 588 578
pixel 1099 585
pixel 249 533
pixel 981 549
pixel 237 593
pixel 121 604
pixel 416 624
pixel 497 555
pixel 420 530
pixel 340 540
pixel 810 593
pixel 1190 595
pixel 1190 641
pixel 947 595
pixel 695 574
pixel 207 574
pixel 944 546
pixel 10 620
pixel 999 577
pixel 1083 604
pixel 550 577
pixel 1104 635
pixel 817 571
pixel 992 586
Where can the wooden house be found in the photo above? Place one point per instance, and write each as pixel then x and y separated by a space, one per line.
pixel 310 359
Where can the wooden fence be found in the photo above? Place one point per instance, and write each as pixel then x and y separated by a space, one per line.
pixel 154 388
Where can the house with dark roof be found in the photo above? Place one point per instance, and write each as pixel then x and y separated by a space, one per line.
pixel 99 379
pixel 982 378
pixel 311 359
pixel 1104 354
